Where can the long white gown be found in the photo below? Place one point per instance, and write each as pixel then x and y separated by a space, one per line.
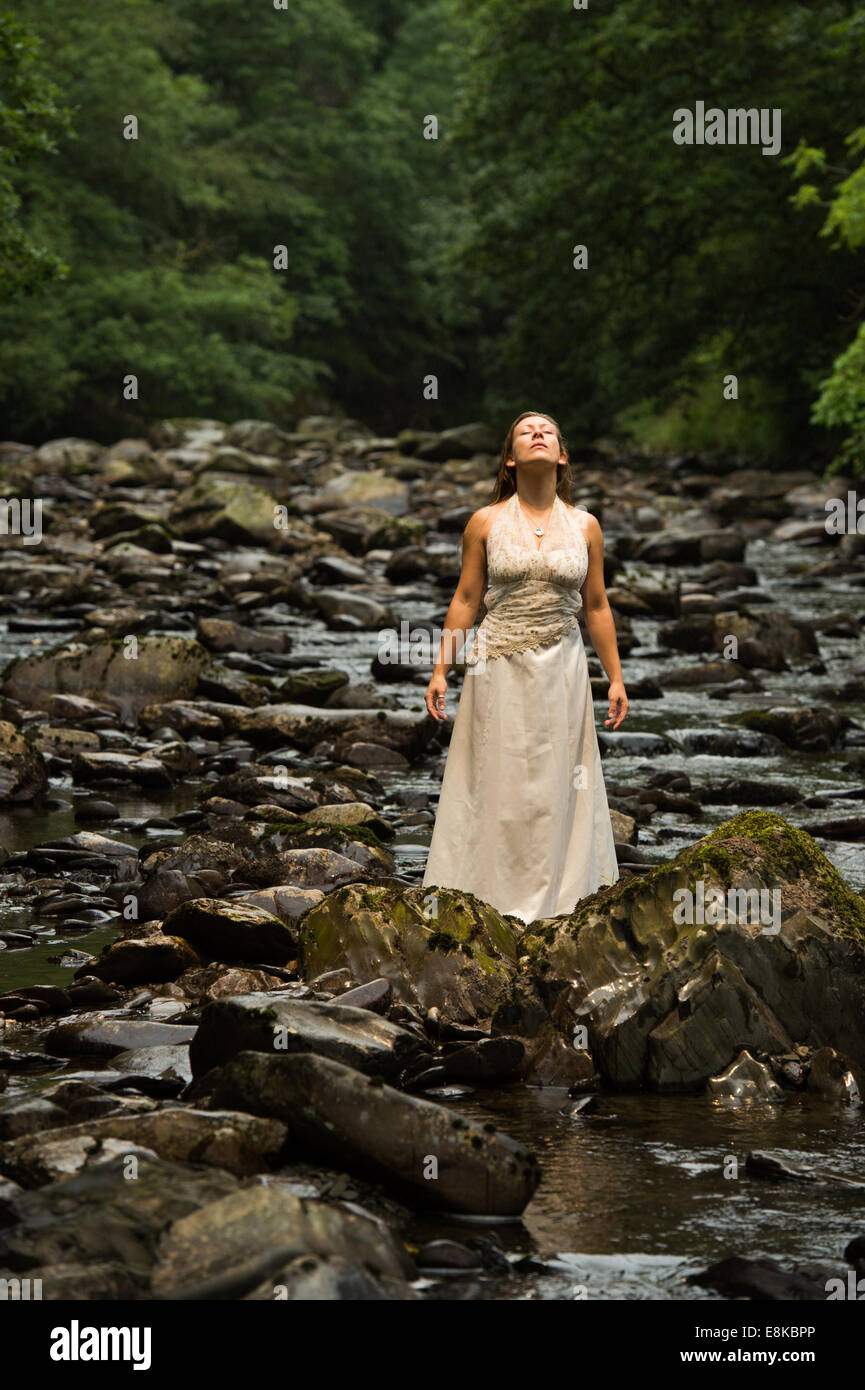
pixel 523 820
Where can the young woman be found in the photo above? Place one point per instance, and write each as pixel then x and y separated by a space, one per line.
pixel 523 821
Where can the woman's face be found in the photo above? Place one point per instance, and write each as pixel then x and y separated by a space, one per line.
pixel 535 437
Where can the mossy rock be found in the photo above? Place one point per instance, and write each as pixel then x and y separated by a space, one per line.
pixel 437 947
pixel 643 979
pixel 164 668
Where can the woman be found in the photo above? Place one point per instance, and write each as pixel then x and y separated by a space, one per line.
pixel 523 821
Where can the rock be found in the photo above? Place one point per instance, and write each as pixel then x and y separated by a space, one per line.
pixel 268 1023
pixel 490 1059
pixel 161 892
pixel 226 1249
pixel 106 1037
pixel 717 1012
pixel 220 635
pixel 28 1115
pixel 316 687
pixel 149 961
pixel 284 901
pixel 319 869
pixel 23 776
pixel 437 948
pixel 217 981
pixel 419 1150
pixel 832 1075
pixel 241 1144
pixel 143 771
pixel 459 442
pixel 814 730
pixel 763 1279
pixel 374 995
pixel 745 1079
pixel 228 931
pixel 349 814
pixel 632 745
pixel 166 668
pixel 50 998
pixel 226 508
pixel 371 488
pixel 197 853
pixel 100 1216
pixel 775 1168
pixel 551 1061
pixel 313 1278
pixel 729 742
pixel 304 726
pixel 671 1003
pixel 447 1256
pixel 159 1070
pixel 670 548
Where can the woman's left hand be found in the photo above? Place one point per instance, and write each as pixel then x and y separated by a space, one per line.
pixel 618 704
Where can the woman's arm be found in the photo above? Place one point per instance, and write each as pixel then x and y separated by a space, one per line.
pixel 462 610
pixel 599 619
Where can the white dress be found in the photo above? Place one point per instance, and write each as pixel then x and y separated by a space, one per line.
pixel 523 820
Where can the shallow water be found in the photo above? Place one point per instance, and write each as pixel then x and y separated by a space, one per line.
pixel 633 1195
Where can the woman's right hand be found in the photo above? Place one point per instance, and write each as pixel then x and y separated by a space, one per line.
pixel 435 697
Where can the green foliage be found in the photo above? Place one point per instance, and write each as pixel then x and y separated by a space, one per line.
pixel 286 131
pixel 840 405
pixel 30 123
pixel 565 138
pixel 303 128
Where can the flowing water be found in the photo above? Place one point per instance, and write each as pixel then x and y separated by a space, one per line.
pixel 634 1193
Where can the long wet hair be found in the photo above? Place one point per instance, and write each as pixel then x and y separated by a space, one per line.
pixel 506 481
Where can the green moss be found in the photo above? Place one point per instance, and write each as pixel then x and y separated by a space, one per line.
pixel 444 941
pixel 787 853
pixel 372 897
pixel 306 834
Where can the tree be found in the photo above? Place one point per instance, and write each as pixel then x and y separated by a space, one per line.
pixel 31 120
pixel 840 404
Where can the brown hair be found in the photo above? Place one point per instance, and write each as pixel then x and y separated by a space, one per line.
pixel 505 484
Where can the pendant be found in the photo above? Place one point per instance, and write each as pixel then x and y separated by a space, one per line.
pixel 539 530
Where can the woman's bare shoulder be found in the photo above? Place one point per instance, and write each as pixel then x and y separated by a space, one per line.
pixel 585 518
pixel 480 522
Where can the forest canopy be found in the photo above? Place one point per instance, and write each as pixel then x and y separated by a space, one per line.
pixel 281 209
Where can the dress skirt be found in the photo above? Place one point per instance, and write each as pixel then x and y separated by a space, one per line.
pixel 523 820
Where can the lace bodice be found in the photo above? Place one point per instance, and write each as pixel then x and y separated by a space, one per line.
pixel 533 594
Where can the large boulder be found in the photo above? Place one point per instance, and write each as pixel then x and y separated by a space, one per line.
pixel 421 1150
pixel 444 950
pixel 150 960
pixel 669 1002
pixel 230 509
pixel 227 1248
pixel 274 1024
pixel 22 767
pixel 241 1144
pixel 106 1037
pixel 94 1234
pixel 232 932
pixel 164 668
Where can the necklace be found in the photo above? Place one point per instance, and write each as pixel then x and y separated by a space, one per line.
pixel 538 530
